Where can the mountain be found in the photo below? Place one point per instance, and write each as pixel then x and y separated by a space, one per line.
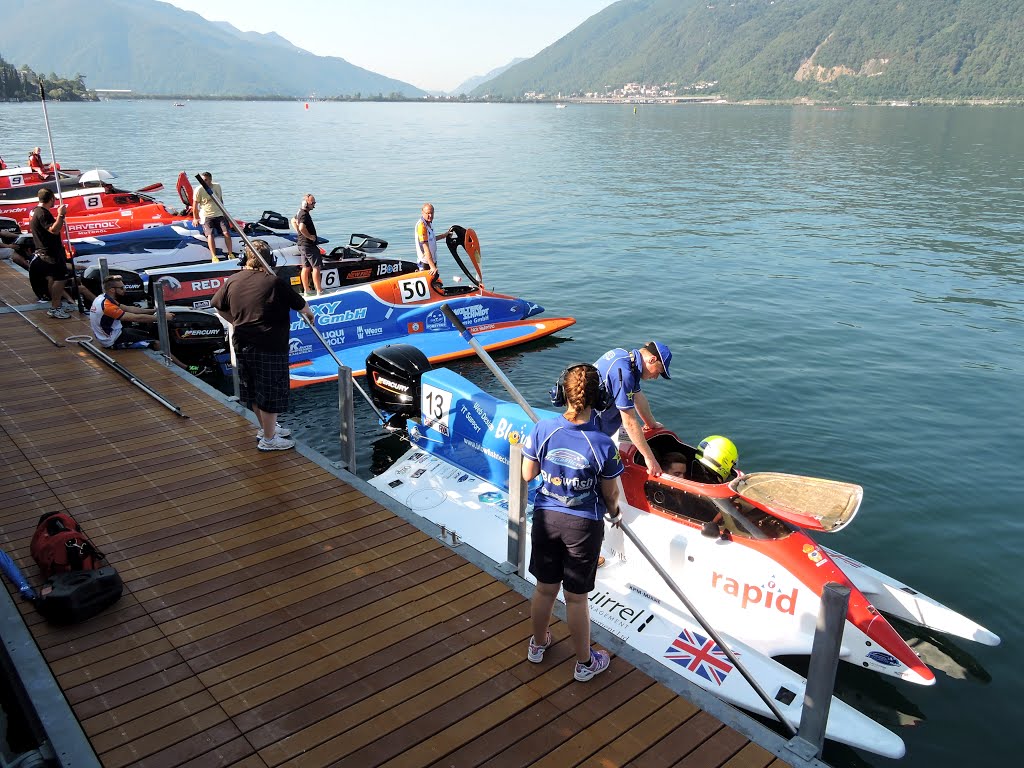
pixel 154 48
pixel 479 80
pixel 787 49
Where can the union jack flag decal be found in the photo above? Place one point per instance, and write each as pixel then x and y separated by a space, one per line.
pixel 701 655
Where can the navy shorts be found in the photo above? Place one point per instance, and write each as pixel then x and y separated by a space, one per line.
pixel 215 224
pixel 565 549
pixel 263 379
pixel 312 258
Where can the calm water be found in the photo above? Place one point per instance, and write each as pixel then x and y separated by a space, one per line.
pixel 842 291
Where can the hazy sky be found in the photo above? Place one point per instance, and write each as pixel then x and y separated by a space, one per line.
pixel 433 45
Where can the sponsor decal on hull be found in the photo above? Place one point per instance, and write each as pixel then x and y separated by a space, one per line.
pixel 618 618
pixel 296 347
pixel 752 595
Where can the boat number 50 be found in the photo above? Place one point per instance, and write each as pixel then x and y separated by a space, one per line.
pixel 412 290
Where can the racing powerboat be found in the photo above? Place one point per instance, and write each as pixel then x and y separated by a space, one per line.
pixel 407 308
pixel 167 245
pixel 741 551
pixel 81 200
pixel 362 260
pixel 23 176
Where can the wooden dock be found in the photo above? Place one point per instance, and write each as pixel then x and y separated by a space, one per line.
pixel 276 614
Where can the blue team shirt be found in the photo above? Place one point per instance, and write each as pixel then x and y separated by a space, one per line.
pixel 573 460
pixel 622 380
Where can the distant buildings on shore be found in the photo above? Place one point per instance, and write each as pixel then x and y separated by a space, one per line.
pixel 634 93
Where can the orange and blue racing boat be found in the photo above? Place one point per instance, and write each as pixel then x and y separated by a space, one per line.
pixel 407 308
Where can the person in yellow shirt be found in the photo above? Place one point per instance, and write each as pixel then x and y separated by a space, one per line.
pixel 204 207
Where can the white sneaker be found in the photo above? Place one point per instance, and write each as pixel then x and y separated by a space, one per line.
pixel 279 431
pixel 599 662
pixel 59 314
pixel 276 443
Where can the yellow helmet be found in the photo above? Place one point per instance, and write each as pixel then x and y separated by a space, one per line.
pixel 718 454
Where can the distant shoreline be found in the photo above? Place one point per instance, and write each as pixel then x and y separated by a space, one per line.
pixel 666 101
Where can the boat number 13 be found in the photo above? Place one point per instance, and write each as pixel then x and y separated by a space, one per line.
pixel 413 290
pixel 435 404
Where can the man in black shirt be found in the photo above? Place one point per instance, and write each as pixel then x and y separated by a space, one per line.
pixel 50 250
pixel 257 304
pixel 312 259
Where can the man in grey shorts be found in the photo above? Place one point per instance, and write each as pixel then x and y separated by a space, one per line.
pixel 213 221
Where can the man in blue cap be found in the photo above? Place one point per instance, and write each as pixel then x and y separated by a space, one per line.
pixel 622 371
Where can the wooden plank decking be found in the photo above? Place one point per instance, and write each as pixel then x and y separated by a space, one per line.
pixel 275 615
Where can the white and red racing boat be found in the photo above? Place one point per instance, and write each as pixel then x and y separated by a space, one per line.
pixel 741 551
pixel 23 176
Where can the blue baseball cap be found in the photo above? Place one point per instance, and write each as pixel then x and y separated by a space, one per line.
pixel 663 353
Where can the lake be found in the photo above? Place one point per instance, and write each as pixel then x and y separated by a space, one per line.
pixel 843 292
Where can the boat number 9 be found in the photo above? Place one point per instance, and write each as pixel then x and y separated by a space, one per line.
pixel 92 201
pixel 435 404
pixel 413 290
pixel 329 279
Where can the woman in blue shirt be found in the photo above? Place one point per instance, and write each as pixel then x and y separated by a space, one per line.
pixel 578 466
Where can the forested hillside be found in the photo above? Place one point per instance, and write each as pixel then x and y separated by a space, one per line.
pixel 23 85
pixel 787 49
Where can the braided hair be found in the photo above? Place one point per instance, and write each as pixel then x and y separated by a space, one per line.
pixel 582 390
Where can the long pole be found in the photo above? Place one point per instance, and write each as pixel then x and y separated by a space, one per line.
pixel 493 366
pixel 52 340
pixel 316 331
pixel 96 352
pixel 60 201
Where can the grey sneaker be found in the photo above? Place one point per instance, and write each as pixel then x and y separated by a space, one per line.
pixel 60 314
pixel 534 652
pixel 279 431
pixel 276 443
pixel 599 662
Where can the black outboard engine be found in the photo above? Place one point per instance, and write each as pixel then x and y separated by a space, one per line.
pixel 195 336
pixel 394 372
pixel 9 229
pixel 134 289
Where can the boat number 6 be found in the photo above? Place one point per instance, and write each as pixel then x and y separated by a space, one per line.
pixel 329 279
pixel 413 290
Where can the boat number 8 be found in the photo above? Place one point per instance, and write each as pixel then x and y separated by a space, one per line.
pixel 93 201
pixel 413 290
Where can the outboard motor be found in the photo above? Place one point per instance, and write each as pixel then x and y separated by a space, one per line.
pixel 10 230
pixel 134 289
pixel 394 372
pixel 195 336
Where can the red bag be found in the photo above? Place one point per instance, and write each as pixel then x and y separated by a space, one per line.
pixel 60 546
